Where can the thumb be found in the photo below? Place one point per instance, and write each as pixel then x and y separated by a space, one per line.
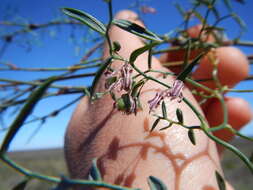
pixel 129 42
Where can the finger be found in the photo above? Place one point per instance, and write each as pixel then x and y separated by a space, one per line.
pixel 129 42
pixel 178 55
pixel 232 67
pixel 239 114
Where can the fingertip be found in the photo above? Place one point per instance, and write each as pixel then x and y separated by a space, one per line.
pixel 239 110
pixel 239 114
pixel 126 15
pixel 232 67
pixel 127 40
pixel 178 55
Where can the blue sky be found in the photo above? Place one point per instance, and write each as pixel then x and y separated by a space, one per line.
pixel 54 48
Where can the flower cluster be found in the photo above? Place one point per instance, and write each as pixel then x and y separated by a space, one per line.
pixel 121 80
pixel 173 93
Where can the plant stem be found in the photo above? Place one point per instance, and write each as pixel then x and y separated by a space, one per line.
pixel 204 127
pixel 71 68
pixel 109 3
pixel 84 183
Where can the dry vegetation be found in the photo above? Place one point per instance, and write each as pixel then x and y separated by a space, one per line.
pixel 51 162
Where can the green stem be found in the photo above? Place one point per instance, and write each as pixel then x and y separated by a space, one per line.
pixel 206 17
pixel 225 110
pixel 109 3
pixel 240 134
pixel 37 83
pixel 150 57
pixel 149 77
pixel 71 68
pixel 21 101
pixel 235 90
pixel 216 128
pixel 85 183
pixel 204 127
pixel 198 85
pixel 243 43
pixel 192 82
pixel 24 113
pixel 177 123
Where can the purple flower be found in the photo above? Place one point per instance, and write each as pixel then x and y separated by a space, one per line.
pixel 155 102
pixel 176 90
pixel 122 78
pixel 126 73
pixel 173 93
pixel 133 105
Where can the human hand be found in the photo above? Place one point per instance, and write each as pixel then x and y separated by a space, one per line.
pixel 126 150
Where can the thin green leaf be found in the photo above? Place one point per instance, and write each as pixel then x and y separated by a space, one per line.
pixel 87 92
pixel 164 110
pixel 188 69
pixel 179 114
pixel 127 102
pixel 198 16
pixel 110 81
pixel 215 12
pixel 86 19
pixel 180 9
pixel 150 57
pixel 156 184
pixel 155 124
pixel 139 106
pixel 94 171
pixel 187 53
pixel 21 185
pixel 120 104
pixel 239 21
pixel 140 51
pixel 98 95
pixel 220 181
pixel 136 29
pixel 124 103
pixel 113 95
pixel 195 127
pixel 32 100
pixel 116 46
pixel 191 136
pixel 228 4
pixel 98 74
pixel 136 87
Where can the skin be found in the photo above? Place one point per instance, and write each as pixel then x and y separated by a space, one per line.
pixel 126 150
